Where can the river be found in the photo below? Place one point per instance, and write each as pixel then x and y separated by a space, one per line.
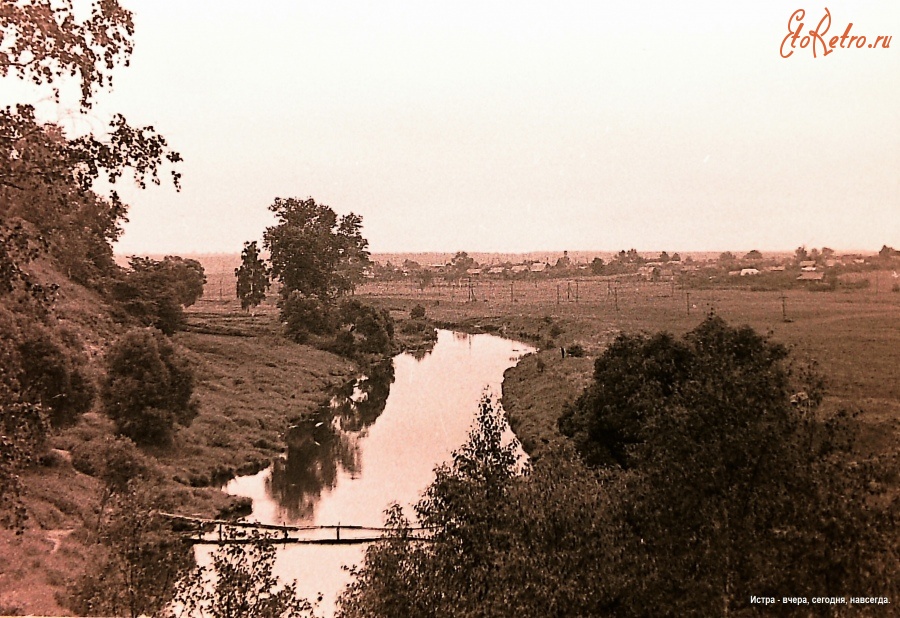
pixel 377 443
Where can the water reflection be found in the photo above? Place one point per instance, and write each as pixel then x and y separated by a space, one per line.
pixel 322 446
pixel 351 467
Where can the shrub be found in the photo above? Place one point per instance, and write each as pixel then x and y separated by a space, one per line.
pixel 372 329
pixel 417 312
pixel 148 388
pixel 303 316
pixel 576 350
pixel 56 379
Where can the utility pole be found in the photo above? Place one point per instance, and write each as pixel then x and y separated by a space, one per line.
pixel 784 307
pixel 616 295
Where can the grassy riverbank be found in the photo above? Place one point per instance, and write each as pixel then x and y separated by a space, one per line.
pixel 251 384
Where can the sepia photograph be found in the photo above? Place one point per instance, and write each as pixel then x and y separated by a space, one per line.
pixel 478 309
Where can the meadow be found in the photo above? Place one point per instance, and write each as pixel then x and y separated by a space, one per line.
pixel 850 336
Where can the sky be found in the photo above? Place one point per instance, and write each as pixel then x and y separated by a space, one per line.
pixel 501 126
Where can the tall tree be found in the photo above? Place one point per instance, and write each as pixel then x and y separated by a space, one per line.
pixel 252 277
pixel 48 179
pixel 314 252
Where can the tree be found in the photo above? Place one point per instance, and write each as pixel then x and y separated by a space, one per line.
pixel 52 376
pixel 23 432
pixel 186 277
pixel 597 266
pixel 726 258
pixel 800 254
pixel 500 543
pixel 664 257
pixel 155 291
pixel 460 264
pixel 366 330
pixel 47 179
pixel 314 252
pixel 252 277
pixel 304 316
pixel 137 561
pixel 424 278
pixel 148 389
pixel 729 485
pixel 240 585
pixel 753 256
pixel 44 43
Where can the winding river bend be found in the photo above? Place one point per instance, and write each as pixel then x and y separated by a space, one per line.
pixel 377 443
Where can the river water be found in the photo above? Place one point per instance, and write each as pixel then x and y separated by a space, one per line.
pixel 377 443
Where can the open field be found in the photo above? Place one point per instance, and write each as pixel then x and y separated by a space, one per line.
pixel 853 336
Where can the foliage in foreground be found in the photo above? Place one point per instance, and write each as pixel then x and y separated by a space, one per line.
pixel 239 584
pixel 137 560
pixel 736 484
pixel 720 484
pixel 501 544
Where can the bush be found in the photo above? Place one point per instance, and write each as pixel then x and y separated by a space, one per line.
pixel 40 368
pixel 148 389
pixel 417 312
pixel 576 350
pixel 55 379
pixel 156 291
pixel 372 329
pixel 303 316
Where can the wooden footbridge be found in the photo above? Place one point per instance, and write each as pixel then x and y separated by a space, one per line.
pixel 204 531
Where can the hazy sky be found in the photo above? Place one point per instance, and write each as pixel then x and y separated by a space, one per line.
pixel 515 126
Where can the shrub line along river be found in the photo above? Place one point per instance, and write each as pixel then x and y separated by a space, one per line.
pixel 378 442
